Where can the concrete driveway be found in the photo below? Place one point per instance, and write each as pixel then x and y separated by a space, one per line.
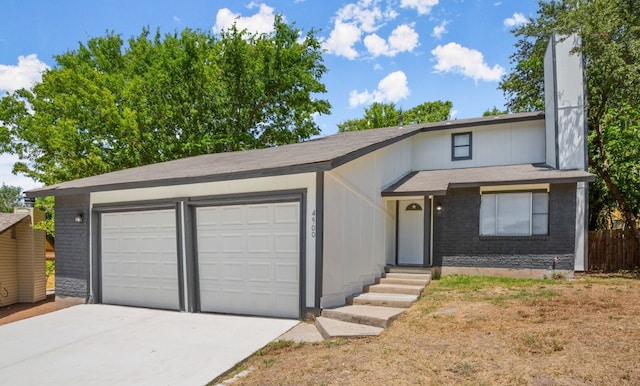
pixel 113 345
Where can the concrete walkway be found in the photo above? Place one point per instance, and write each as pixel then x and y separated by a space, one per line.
pixel 112 345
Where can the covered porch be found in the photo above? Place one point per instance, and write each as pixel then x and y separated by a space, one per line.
pixel 516 217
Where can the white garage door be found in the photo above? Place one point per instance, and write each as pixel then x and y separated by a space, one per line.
pixel 139 259
pixel 249 259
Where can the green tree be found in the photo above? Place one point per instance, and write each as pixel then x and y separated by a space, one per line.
pixel 494 111
pixel 108 105
pixel 610 31
pixel 387 114
pixel 10 197
pixel 47 205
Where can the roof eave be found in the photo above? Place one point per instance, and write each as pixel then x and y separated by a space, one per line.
pixel 498 119
pixel 17 220
pixel 558 180
pixel 297 169
pixel 393 192
pixel 414 193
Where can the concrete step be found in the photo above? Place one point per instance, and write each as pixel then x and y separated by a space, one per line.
pixel 332 328
pixel 394 289
pixel 403 281
pixel 420 270
pixel 383 299
pixel 364 314
pixel 417 276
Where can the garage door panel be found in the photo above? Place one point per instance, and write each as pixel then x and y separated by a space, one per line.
pixel 249 264
pixel 287 243
pixel 286 273
pixel 258 214
pixel 286 213
pixel 110 244
pixel 259 242
pixel 232 243
pixel 139 259
pixel 209 271
pixel 209 220
pixel 259 272
pixel 231 215
pixel 127 244
pixel 233 271
pixel 208 242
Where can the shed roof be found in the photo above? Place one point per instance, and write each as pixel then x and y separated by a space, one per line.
pixel 7 220
pixel 314 155
pixel 437 182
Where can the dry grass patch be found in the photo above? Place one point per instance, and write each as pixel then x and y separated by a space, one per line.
pixel 481 331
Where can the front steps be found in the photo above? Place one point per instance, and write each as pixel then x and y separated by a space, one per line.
pixel 368 315
pixel 370 312
pixel 383 300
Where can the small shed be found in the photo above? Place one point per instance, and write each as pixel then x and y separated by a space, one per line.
pixel 22 257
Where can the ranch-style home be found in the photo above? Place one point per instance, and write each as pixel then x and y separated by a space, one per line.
pixel 289 230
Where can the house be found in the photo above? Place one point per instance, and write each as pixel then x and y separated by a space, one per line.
pixel 287 231
pixel 22 256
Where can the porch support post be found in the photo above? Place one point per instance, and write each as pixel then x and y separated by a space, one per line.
pixel 431 200
pixel 426 230
pixel 397 227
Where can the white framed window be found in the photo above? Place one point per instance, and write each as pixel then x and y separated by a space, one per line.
pixel 460 146
pixel 514 214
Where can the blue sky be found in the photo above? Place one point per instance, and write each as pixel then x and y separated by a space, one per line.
pixel 401 51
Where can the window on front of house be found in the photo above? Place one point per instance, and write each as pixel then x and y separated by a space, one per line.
pixel 514 214
pixel 460 146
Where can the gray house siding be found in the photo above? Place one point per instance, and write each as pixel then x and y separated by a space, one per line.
pixel 72 246
pixel 457 241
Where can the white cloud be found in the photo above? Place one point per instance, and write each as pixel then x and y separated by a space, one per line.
pixel 366 14
pixel 440 30
pixel 376 45
pixel 377 67
pixel 515 20
pixel 402 39
pixel 422 6
pixel 352 21
pixel 177 20
pixel 391 88
pixel 342 39
pixel 261 22
pixel 454 58
pixel 25 74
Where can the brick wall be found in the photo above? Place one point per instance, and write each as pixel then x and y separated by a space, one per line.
pixel 457 241
pixel 72 246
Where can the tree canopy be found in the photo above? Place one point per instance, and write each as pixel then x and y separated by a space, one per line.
pixel 108 105
pixel 494 111
pixel 610 32
pixel 10 197
pixel 387 114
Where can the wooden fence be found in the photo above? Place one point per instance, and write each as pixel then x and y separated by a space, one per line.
pixel 613 250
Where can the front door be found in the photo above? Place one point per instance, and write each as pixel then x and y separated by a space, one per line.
pixel 411 219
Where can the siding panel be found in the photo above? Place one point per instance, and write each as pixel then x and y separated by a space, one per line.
pixel 358 232
pixel 8 269
pixel 506 144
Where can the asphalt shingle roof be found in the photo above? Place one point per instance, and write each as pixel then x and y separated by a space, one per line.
pixel 7 220
pixel 436 182
pixel 310 156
